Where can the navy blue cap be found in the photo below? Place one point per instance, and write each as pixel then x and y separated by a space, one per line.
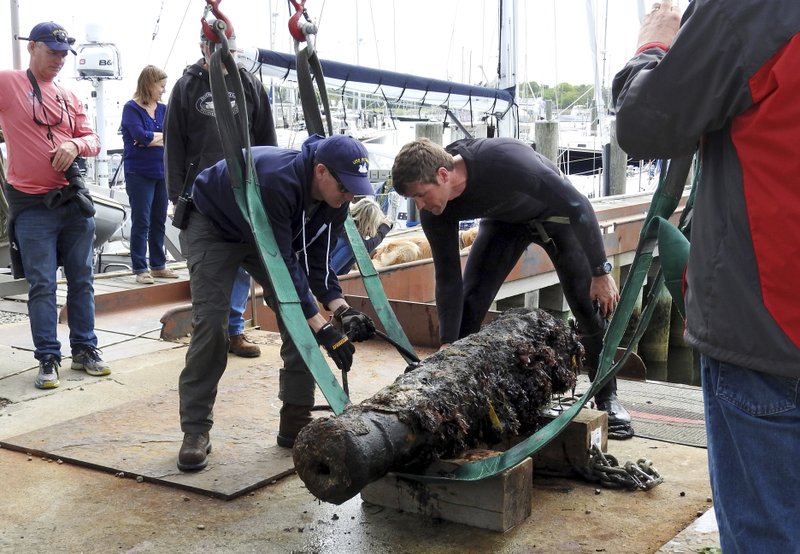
pixel 51 34
pixel 348 158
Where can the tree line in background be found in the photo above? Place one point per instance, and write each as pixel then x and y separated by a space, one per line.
pixel 562 95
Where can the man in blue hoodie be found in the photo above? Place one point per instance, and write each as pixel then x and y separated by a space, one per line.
pixel 306 195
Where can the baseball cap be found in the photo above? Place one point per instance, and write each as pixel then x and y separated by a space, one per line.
pixel 348 158
pixel 51 34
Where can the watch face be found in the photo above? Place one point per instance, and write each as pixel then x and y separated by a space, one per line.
pixel 604 269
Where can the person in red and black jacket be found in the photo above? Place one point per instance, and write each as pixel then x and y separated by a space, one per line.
pixel 725 78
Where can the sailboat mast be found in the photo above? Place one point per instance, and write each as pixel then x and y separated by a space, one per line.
pixel 598 86
pixel 507 126
pixel 15 51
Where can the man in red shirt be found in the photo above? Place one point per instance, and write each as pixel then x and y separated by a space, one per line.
pixel 51 221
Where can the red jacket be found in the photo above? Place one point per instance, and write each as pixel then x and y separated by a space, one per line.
pixel 730 83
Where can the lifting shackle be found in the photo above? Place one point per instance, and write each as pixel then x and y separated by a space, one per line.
pixel 208 31
pixel 300 30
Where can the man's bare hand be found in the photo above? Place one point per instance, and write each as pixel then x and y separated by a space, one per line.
pixel 64 155
pixel 660 25
pixel 604 291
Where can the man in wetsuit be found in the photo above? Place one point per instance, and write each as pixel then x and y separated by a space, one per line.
pixel 521 198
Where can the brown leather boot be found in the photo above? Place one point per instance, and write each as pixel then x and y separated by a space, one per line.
pixel 293 418
pixel 193 455
pixel 242 347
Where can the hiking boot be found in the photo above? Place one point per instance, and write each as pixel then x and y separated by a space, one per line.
pixel 193 455
pixel 144 278
pixel 166 273
pixel 88 359
pixel 242 347
pixel 47 378
pixel 293 418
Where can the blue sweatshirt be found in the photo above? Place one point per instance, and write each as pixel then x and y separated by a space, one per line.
pixel 137 132
pixel 304 229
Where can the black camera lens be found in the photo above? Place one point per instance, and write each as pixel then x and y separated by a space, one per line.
pixel 73 175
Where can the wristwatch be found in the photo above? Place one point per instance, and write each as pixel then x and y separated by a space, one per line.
pixel 337 315
pixel 602 269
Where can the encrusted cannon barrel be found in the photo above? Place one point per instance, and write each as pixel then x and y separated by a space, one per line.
pixel 484 388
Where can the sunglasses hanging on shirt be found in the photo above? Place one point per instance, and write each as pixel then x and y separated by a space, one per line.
pixel 62 104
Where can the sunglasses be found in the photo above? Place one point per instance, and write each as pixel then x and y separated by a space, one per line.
pixel 342 188
pixel 63 37
pixel 59 36
pixel 46 123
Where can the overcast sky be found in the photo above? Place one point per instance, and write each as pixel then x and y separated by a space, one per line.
pixel 455 39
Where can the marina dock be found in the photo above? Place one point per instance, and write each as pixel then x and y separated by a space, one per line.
pixel 90 466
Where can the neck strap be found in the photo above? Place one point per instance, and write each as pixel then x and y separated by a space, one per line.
pixel 36 90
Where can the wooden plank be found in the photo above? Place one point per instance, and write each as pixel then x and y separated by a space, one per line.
pixel 570 449
pixel 497 503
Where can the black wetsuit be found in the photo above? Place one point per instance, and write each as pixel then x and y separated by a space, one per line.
pixel 510 186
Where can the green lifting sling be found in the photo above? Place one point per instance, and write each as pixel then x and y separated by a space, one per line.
pixel 243 178
pixel 308 63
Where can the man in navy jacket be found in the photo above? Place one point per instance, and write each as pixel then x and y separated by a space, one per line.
pixel 306 195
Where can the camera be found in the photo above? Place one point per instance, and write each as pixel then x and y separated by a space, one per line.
pixel 76 191
pixel 74 176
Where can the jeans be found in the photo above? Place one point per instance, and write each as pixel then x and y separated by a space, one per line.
pixel 753 428
pixel 213 266
pixel 239 294
pixel 148 199
pixel 49 238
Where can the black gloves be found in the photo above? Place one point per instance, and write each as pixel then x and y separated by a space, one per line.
pixel 337 344
pixel 354 324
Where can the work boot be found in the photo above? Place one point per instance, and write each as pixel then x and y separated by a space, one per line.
pixel 243 348
pixel 193 455
pixel 293 418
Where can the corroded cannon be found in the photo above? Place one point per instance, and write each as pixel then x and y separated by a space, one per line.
pixel 483 389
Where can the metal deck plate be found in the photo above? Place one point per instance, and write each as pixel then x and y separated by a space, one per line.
pixel 142 438
pixel 665 411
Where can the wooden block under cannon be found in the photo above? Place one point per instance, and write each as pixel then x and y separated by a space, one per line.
pixel 497 503
pixel 570 449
